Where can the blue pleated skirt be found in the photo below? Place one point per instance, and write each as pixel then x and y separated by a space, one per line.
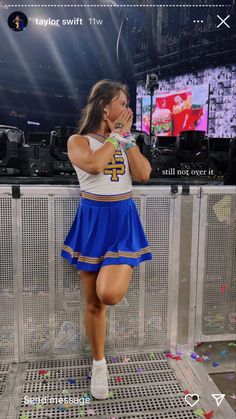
pixel 106 233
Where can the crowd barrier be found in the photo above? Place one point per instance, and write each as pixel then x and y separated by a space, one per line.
pixel 186 294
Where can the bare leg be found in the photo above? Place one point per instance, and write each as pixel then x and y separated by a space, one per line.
pixel 95 315
pixel 95 322
pixel 113 283
pixel 110 293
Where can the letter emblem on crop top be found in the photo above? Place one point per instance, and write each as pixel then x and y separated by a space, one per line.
pixel 115 167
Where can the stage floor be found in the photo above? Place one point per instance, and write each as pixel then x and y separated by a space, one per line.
pixel 141 385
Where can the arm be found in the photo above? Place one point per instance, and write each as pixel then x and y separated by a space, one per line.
pixel 140 168
pixel 81 155
pixel 94 162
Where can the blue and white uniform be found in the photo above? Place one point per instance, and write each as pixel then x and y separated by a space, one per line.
pixel 107 229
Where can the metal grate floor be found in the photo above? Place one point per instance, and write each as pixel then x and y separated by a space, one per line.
pixel 146 388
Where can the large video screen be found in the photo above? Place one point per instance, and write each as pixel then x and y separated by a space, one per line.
pixel 177 111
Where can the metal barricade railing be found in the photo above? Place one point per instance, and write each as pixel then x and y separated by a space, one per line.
pixel 167 304
pixel 216 286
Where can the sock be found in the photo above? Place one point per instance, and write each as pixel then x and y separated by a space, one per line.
pixel 100 362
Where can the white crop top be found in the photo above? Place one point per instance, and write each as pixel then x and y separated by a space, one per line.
pixel 114 179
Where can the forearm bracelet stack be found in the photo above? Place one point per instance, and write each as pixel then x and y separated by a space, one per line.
pixel 127 141
pixel 118 136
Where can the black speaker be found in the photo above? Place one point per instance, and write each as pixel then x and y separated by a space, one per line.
pixel 11 139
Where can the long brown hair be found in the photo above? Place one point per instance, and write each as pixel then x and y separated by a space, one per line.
pixel 100 95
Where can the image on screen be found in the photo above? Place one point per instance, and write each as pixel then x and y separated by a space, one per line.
pixel 176 111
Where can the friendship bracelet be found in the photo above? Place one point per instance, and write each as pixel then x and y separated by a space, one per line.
pixel 112 141
pixel 118 132
pixel 131 140
pixel 118 137
pixel 126 147
pixel 127 134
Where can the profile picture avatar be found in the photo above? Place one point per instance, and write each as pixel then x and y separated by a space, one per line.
pixel 17 21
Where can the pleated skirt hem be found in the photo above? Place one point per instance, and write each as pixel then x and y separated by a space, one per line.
pixel 107 260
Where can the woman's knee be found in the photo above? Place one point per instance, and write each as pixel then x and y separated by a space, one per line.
pixel 113 282
pixel 109 298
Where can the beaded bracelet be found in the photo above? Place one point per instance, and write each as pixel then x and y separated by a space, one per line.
pixel 126 147
pixel 118 137
pixel 130 140
pixel 127 134
pixel 113 141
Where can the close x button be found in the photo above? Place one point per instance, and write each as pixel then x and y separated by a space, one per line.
pixel 223 21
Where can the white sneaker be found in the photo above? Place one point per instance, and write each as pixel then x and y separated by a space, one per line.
pixel 99 383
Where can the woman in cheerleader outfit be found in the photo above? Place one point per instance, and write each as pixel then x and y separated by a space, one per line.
pixel 106 239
